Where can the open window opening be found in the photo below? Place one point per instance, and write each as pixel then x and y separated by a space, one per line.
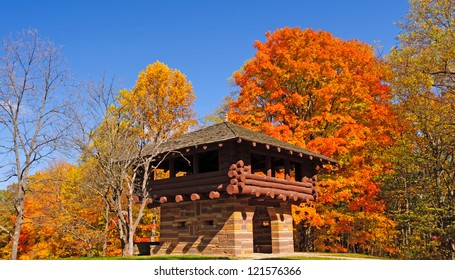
pixel 209 161
pixel 278 168
pixel 162 171
pixel 295 173
pixel 259 164
pixel 183 166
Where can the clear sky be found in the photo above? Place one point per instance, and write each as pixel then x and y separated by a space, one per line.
pixel 206 40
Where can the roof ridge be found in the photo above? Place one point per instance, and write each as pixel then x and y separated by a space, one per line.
pixel 228 125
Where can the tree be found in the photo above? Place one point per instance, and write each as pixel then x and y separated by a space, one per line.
pixel 32 112
pixel 63 218
pixel 328 95
pixel 125 145
pixel 421 192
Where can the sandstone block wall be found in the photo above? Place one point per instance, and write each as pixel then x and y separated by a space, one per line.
pixel 222 227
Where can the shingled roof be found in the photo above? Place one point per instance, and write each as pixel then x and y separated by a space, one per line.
pixel 228 131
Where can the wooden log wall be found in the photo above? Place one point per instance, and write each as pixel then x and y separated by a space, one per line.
pixel 238 180
pixel 189 188
pixel 242 181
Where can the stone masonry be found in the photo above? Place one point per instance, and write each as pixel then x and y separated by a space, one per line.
pixel 224 227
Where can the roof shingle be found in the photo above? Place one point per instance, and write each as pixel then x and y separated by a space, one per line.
pixel 228 131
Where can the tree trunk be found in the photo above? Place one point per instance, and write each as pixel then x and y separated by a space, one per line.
pixel 128 245
pixel 19 222
pixel 106 229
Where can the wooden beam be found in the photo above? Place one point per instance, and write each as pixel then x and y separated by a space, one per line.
pixel 195 163
pixel 268 165
pixel 278 186
pixel 282 194
pixel 172 167
pixel 307 183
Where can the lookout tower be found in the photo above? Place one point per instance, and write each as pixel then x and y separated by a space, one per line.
pixel 227 190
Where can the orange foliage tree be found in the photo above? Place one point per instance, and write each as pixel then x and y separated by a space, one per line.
pixel 328 95
pixel 62 217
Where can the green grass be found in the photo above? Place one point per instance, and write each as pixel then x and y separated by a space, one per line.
pixel 166 257
pixel 326 256
pixel 309 256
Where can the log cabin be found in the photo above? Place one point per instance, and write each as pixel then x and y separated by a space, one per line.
pixel 228 190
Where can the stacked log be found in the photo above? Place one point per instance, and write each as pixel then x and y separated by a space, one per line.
pixel 239 180
pixel 242 181
pixel 189 188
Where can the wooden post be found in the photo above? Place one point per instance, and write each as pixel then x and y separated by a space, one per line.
pixel 195 163
pixel 287 169
pixel 171 168
pixel 268 165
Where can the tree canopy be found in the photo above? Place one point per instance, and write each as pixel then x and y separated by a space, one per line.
pixel 328 95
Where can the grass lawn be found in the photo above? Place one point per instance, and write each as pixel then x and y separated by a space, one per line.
pixel 304 256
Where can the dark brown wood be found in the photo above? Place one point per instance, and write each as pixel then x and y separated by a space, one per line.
pixel 261 202
pixel 202 189
pixel 189 181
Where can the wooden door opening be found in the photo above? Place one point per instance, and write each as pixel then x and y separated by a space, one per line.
pixel 262 233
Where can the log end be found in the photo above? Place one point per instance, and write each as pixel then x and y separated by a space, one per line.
pixel 231 189
pixel 214 194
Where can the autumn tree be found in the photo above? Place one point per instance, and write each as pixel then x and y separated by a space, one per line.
pixel 328 95
pixel 32 113
pixel 421 193
pixel 62 216
pixel 125 144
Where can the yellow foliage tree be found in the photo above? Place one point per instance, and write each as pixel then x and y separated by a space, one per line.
pixel 125 144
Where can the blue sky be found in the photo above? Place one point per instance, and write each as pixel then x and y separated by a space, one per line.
pixel 206 40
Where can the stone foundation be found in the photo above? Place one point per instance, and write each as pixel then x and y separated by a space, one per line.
pixel 224 227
